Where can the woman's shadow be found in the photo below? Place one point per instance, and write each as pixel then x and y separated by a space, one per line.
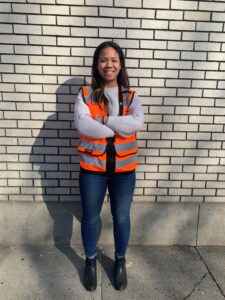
pixel 54 155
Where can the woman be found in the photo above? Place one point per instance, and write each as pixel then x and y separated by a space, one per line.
pixel 107 116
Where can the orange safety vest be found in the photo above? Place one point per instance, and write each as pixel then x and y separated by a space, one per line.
pixel 92 152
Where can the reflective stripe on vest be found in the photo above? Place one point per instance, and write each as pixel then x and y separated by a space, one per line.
pixel 93 151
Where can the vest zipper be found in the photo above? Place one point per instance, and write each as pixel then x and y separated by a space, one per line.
pixel 110 156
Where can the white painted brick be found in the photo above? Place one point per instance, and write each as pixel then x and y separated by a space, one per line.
pixel 169 14
pixel 17 132
pixel 72 21
pixel 173 135
pixel 155 24
pixel 178 83
pixel 200 119
pixel 102 22
pixel 216 153
pixel 159 4
pixel 42 60
pixel 193 184
pixel 45 40
pixel 89 42
pixel 16 97
pixel 14 39
pixel 167 199
pixel 204 84
pixel 217 37
pixel 43 79
pixel 190 92
pixel 71 2
pixel 152 63
pixel 112 12
pixel 26 8
pixel 141 13
pixel 218 136
pixel 217 56
pixel 166 54
pixel 55 9
pixel 175 119
pixel 184 5
pixel 99 2
pixel 139 53
pixel 206 26
pixel 6 68
pixel 194 55
pixel 182 160
pixel 175 100
pixel 83 32
pixel 30 107
pixel 211 128
pixel 212 111
pixel 198 136
pixel 41 1
pixel 8 49
pixel 169 184
pixel 153 44
pixel 125 43
pixel 6 28
pixel 23 59
pixel 182 191
pixel 209 145
pixel 178 45
pixel 162 176
pixel 15 78
pixel 32 19
pixel 26 88
pixel 167 35
pixel 207 161
pixel 27 29
pixel 191 169
pixel 165 73
pixel 28 69
pixel 215 75
pixel 197 16
pixel 131 3
pixel 155 191
pixel 195 36
pixel 7 106
pixel 28 49
pixel 220 102
pixel 140 72
pixel 207 46
pixel 158 144
pixel 163 92
pixel 84 11
pixel 184 144
pixel 218 16
pixel 181 25
pixel 191 74
pixel 211 6
pixel 214 93
pixel 56 30
pixel 159 127
pixel 69 61
pixel 13 18
pixel 127 23
pixel 218 120
pixel 151 82
pixel 56 51
pixel 179 64
pixel 112 33
pixel 56 70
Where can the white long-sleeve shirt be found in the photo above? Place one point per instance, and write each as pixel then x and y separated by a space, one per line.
pixel 122 125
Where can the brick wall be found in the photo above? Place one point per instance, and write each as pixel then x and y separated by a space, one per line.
pixel 175 59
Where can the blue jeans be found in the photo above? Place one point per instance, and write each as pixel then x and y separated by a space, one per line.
pixel 93 189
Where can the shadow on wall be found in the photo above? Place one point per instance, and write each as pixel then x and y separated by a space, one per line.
pixel 54 156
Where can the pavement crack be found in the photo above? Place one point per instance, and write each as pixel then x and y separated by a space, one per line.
pixel 196 285
pixel 213 278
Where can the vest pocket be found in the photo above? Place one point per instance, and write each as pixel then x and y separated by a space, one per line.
pixel 91 148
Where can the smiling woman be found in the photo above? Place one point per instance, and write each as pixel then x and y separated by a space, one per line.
pixel 107 115
pixel 109 66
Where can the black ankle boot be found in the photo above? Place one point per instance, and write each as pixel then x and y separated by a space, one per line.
pixel 90 274
pixel 120 275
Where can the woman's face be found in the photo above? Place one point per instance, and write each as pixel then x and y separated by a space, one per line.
pixel 109 66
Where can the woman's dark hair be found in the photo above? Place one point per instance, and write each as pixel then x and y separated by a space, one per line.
pixel 97 82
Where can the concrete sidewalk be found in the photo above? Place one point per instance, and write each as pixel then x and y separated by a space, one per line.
pixel 48 273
